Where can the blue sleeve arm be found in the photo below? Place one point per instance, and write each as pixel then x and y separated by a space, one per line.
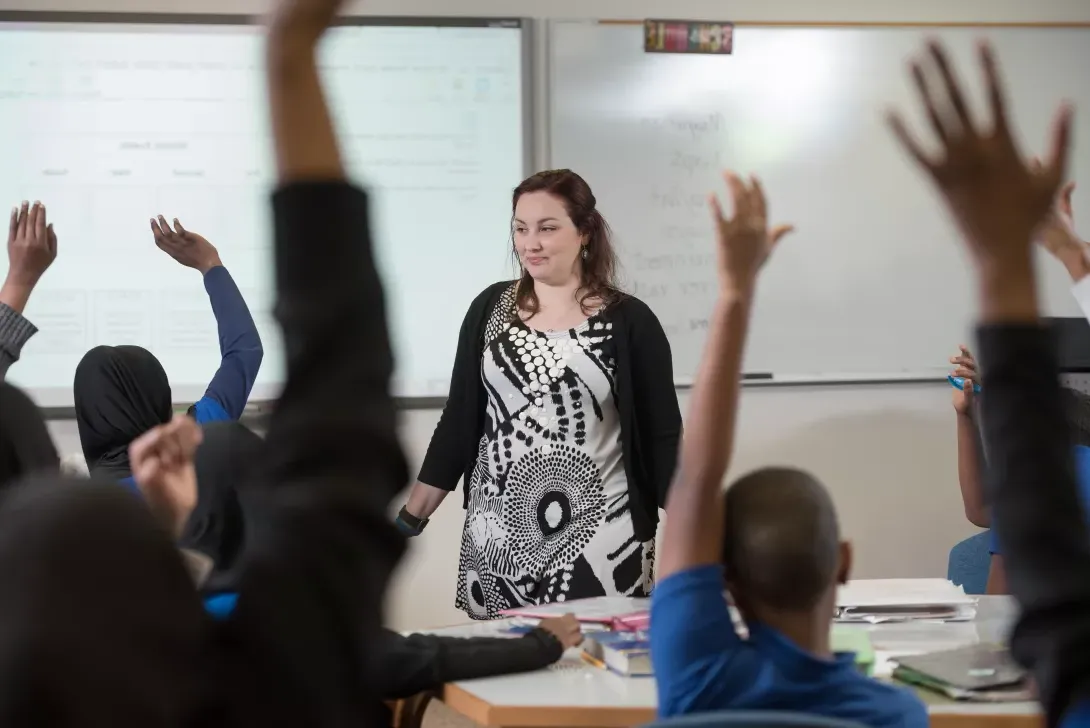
pixel 698 658
pixel 240 344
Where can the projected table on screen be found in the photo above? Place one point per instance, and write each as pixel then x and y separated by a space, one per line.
pixel 111 122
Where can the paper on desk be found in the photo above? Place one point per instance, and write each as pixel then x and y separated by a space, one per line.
pixel 600 610
pixel 876 601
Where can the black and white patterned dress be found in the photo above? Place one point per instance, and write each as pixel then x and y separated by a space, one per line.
pixel 548 517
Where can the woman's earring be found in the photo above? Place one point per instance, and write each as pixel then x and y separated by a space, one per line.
pixel 585 253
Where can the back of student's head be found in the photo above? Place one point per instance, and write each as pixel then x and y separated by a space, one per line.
pixel 25 445
pixel 120 392
pixel 781 545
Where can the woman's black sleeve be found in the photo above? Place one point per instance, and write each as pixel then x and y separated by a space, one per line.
pixel 445 460
pixel 658 415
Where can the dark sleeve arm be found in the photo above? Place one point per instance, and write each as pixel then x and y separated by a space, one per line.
pixel 445 460
pixel 1036 510
pixel 321 548
pixel 422 662
pixel 658 415
pixel 15 332
pixel 240 344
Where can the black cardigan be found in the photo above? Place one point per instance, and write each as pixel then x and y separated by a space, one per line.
pixel 650 423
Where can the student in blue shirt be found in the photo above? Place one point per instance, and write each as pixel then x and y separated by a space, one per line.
pixel 122 392
pixel 774 537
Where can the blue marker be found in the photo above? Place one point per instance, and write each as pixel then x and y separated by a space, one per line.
pixel 959 383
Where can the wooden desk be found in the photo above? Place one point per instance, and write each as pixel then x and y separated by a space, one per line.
pixel 571 694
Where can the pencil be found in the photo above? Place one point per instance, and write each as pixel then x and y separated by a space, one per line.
pixel 593 661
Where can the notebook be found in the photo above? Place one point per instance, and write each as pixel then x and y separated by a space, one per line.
pixel 597 610
pixel 980 673
pixel 875 601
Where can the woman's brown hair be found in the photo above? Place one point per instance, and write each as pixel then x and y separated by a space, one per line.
pixel 599 268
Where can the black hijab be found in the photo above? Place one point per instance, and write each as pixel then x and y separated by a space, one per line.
pixel 121 392
pixel 25 444
pixel 225 458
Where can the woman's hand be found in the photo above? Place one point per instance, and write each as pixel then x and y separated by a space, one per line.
pixel 964 367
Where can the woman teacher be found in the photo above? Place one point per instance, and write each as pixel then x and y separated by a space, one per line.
pixel 562 419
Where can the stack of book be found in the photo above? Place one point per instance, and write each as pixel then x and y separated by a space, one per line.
pixel 618 633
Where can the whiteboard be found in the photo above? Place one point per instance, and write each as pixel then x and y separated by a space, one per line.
pixel 111 122
pixel 874 284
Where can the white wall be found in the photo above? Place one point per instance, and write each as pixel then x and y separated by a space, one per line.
pixel 886 452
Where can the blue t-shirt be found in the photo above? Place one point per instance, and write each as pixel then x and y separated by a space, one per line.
pixel 1078 716
pixel 701 664
pixel 1082 475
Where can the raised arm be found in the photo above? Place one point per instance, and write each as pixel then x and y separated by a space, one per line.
pixel 998 202
pixel 321 548
pixel 694 513
pixel 240 344
pixel 32 248
pixel 970 456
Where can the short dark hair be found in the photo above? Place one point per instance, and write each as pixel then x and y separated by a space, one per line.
pixel 781 541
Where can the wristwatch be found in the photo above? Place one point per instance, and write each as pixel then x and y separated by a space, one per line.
pixel 412 525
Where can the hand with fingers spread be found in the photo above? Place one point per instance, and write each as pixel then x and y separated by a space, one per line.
pixel 964 367
pixel 745 240
pixel 32 248
pixel 162 466
pixel 997 199
pixel 188 248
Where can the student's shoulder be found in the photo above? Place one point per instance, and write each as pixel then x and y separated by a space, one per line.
pixel 892 706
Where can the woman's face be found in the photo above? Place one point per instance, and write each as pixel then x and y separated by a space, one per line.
pixel 546 240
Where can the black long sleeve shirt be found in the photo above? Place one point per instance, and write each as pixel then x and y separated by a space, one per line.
pixel 1037 512
pixel 303 641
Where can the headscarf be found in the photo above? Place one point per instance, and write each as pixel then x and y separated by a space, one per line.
pixel 25 444
pixel 121 392
pixel 225 458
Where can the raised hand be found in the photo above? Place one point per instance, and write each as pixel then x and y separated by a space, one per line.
pixel 745 240
pixel 189 249
pixel 997 199
pixel 304 18
pixel 1057 233
pixel 162 466
pixel 32 248
pixel 964 367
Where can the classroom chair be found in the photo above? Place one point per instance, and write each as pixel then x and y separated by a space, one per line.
pixel 969 562
pixel 752 719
